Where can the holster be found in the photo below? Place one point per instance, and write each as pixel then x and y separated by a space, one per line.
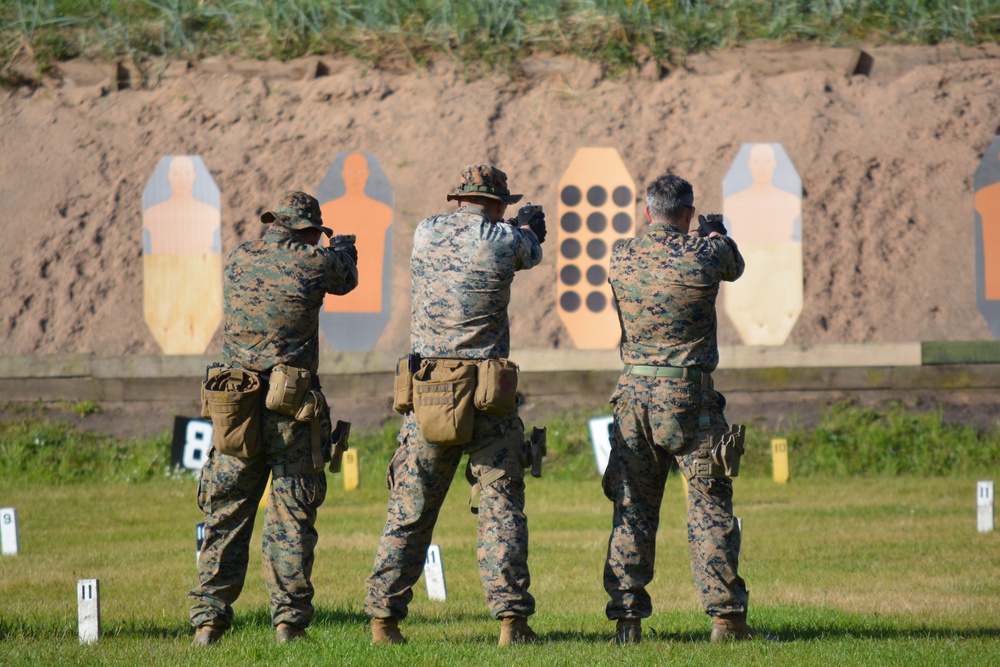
pixel 719 455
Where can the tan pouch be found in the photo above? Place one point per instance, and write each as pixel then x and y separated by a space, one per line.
pixel 402 393
pixel 287 389
pixel 496 386
pixel 232 400
pixel 443 401
pixel 311 406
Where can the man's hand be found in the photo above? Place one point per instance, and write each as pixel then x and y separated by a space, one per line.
pixel 711 225
pixel 345 243
pixel 533 218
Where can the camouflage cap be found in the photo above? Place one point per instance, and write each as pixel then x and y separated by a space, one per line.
pixel 297 210
pixel 482 180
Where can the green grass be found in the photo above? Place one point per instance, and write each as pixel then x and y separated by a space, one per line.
pixel 858 560
pixel 843 571
pixel 490 31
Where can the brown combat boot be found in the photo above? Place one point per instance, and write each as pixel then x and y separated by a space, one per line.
pixel 386 631
pixel 515 630
pixel 627 631
pixel 286 632
pixel 206 635
pixel 734 628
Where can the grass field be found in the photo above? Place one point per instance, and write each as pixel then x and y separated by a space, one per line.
pixel 492 31
pixel 844 569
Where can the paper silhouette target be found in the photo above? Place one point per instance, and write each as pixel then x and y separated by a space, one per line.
pixel 596 210
pixel 182 255
pixel 762 205
pixel 986 200
pixel 356 198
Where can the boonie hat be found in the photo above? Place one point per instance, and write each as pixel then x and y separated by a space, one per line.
pixel 482 180
pixel 297 210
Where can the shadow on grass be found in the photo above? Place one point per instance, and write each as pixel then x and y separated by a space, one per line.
pixel 783 635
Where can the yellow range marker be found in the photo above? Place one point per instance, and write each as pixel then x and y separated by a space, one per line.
pixel 267 492
pixel 352 478
pixel 596 210
pixel 779 458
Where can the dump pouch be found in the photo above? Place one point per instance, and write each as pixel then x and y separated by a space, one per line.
pixel 287 389
pixel 231 397
pixel 496 386
pixel 443 401
pixel 402 393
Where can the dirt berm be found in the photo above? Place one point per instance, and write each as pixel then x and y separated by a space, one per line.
pixel 886 162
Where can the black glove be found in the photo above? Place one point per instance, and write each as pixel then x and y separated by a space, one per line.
pixel 713 223
pixel 345 243
pixel 534 218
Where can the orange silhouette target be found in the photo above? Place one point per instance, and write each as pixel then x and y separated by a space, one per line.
pixel 182 255
pixel 762 206
pixel 596 210
pixel 986 200
pixel 356 198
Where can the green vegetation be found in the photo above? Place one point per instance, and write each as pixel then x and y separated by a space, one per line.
pixel 490 31
pixel 868 555
pixel 849 440
pixel 845 571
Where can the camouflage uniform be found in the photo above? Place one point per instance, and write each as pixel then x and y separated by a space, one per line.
pixel 273 290
pixel 666 284
pixel 462 267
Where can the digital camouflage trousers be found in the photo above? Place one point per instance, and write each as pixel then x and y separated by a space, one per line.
pixel 655 428
pixel 229 494
pixel 418 478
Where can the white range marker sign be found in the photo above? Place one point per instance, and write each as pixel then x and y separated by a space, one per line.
pixel 434 574
pixel 89 603
pixel 600 439
pixel 8 531
pixel 984 506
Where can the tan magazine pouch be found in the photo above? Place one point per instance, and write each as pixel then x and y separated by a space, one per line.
pixel 231 398
pixel 443 401
pixel 402 393
pixel 287 390
pixel 496 387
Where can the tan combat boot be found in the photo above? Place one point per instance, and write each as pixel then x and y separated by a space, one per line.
pixel 386 631
pixel 515 630
pixel 286 632
pixel 734 628
pixel 206 635
pixel 627 631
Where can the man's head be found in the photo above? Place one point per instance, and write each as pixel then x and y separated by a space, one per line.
pixel 670 199
pixel 485 187
pixel 297 210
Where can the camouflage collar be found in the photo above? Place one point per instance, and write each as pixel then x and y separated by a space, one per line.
pixel 665 227
pixel 472 209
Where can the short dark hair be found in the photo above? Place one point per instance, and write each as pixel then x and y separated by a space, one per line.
pixel 668 196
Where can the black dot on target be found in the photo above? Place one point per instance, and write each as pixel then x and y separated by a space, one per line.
pixel 571 222
pixel 596 222
pixel 596 275
pixel 596 301
pixel 570 275
pixel 617 243
pixel 622 196
pixel 571 195
pixel 622 223
pixel 570 248
pixel 596 196
pixel 596 249
pixel 570 302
